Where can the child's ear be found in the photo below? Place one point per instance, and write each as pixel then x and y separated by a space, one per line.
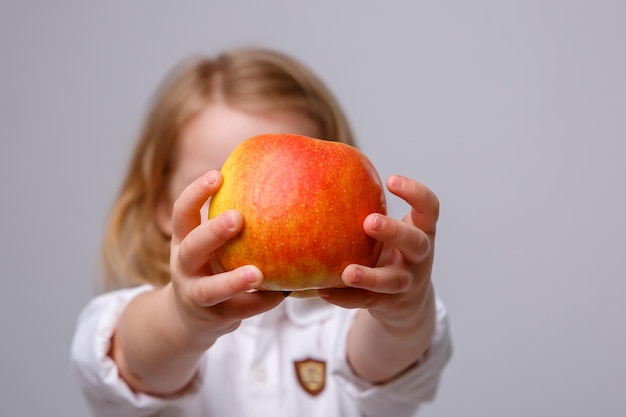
pixel 163 214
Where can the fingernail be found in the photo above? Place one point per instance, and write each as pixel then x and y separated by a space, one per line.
pixel 357 276
pixel 227 220
pixel 251 275
pixel 211 177
pixel 377 223
pixel 397 181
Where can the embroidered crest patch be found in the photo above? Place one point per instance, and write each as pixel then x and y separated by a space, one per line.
pixel 311 374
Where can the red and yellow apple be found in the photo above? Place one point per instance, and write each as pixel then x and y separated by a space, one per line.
pixel 303 202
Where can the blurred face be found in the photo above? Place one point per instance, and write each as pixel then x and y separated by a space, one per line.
pixel 210 137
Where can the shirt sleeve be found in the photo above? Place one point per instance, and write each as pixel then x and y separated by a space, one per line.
pixel 106 392
pixel 403 395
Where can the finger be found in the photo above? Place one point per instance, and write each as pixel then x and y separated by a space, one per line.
pixel 248 304
pixel 186 210
pixel 386 280
pixel 412 242
pixel 195 248
pixel 212 290
pixel 350 297
pixel 424 203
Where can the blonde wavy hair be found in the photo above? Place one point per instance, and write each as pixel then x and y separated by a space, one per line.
pixel 135 251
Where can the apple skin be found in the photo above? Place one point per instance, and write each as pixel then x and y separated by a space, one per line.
pixel 303 202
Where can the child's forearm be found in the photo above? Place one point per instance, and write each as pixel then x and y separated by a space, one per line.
pixel 154 351
pixel 378 351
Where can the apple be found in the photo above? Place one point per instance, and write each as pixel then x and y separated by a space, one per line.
pixel 303 201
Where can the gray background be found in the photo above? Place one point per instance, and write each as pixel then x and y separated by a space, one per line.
pixel 512 111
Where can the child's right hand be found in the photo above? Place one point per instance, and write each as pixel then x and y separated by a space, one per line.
pixel 210 304
pixel 163 333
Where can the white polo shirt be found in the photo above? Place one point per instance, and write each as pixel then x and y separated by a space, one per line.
pixel 290 361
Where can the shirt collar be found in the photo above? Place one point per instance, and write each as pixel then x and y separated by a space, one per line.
pixel 305 311
pixel 298 311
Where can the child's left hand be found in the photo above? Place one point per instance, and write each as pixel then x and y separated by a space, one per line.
pixel 398 292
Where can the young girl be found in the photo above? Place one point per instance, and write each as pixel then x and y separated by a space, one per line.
pixel 172 338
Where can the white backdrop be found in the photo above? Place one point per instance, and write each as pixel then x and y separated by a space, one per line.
pixel 513 112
